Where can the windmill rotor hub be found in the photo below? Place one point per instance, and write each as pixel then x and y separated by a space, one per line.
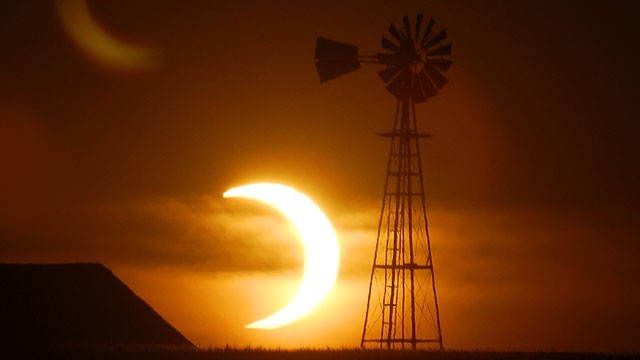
pixel 416 60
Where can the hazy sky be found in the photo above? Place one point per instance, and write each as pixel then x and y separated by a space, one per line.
pixel 532 175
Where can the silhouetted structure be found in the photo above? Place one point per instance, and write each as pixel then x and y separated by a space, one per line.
pixel 76 305
pixel 402 305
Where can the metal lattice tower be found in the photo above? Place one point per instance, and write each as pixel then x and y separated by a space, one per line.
pixel 402 305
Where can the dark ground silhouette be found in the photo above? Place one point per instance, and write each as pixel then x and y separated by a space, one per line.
pixel 306 354
pixel 71 306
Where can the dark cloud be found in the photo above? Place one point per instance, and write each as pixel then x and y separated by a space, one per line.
pixel 201 235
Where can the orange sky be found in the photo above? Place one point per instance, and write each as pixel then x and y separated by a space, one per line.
pixel 531 175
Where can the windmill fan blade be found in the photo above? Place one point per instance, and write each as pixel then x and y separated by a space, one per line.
pixel 442 50
pixel 407 26
pixel 441 64
pixel 394 32
pixel 389 73
pixel 395 86
pixel 418 25
pixel 399 85
pixel 428 89
pixel 427 31
pixel 389 45
pixel 436 76
pixel 438 38
pixel 335 58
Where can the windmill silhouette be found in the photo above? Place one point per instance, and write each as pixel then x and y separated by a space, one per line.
pixel 402 305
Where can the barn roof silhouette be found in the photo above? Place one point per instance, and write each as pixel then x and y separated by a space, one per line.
pixel 70 305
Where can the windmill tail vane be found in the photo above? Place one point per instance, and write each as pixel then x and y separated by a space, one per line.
pixel 402 304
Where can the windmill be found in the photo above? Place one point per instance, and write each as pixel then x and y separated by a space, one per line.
pixel 402 304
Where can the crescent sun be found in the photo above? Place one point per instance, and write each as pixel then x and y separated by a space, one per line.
pixel 322 256
pixel 96 43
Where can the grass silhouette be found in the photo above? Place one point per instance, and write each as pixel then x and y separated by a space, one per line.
pixel 248 353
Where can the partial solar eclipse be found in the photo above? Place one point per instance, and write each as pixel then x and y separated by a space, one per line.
pixel 96 42
pixel 322 256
